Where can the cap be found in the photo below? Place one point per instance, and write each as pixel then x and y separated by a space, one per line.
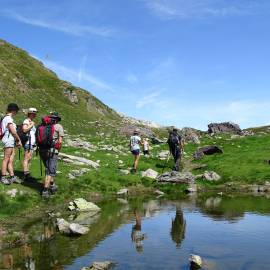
pixel 32 110
pixel 55 115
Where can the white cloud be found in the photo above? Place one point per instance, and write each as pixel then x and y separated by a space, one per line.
pixel 132 78
pixel 76 76
pixel 148 100
pixel 171 9
pixel 62 26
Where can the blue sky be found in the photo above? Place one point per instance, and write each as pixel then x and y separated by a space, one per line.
pixel 175 62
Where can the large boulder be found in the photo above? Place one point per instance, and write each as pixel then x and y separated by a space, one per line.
pixel 82 205
pixel 225 127
pixel 176 177
pixel 150 174
pixel 196 261
pixel 155 140
pixel 207 150
pixel 211 176
pixel 190 135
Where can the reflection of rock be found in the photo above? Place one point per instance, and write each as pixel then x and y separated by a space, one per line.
pixel 70 228
pixel 78 229
pixel 176 177
pixel 86 218
pixel 213 202
pixel 122 192
pixel 192 188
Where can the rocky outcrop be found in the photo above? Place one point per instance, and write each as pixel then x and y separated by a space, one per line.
pixel 211 176
pixel 71 95
pixel 128 129
pixel 78 160
pixel 190 135
pixel 176 177
pixel 207 150
pixel 226 127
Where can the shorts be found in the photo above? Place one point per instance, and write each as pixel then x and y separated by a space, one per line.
pixel 50 162
pixel 146 152
pixel 136 152
pixel 28 147
pixel 9 143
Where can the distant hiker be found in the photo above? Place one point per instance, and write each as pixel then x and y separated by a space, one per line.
pixel 135 142
pixel 176 146
pixel 146 147
pixel 27 134
pixel 10 140
pixel 49 140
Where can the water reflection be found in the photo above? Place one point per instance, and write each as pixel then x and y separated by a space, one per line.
pixel 137 236
pixel 178 227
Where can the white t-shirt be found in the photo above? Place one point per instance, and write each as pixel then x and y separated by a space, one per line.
pixel 5 122
pixel 135 142
pixel 32 133
pixel 145 145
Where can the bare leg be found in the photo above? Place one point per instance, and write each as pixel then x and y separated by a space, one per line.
pixel 27 160
pixel 48 180
pixel 7 155
pixel 11 163
pixel 136 161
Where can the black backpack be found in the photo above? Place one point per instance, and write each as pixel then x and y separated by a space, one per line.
pixel 174 140
pixel 24 137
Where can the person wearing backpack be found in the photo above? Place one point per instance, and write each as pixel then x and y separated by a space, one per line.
pixel 134 143
pixel 49 140
pixel 28 138
pixel 176 147
pixel 10 140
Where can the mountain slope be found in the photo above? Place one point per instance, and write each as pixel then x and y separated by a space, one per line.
pixel 26 81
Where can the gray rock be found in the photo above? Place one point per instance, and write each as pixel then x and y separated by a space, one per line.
pixel 79 143
pixel 82 205
pixel 100 266
pixel 176 177
pixel 195 261
pixel 63 226
pixel 211 176
pixel 192 188
pixel 159 192
pixel 77 173
pixel 125 172
pixel 163 154
pixel 122 192
pixel 150 174
pixel 70 228
pixel 81 160
pixel 225 127
pixel 12 192
pixel 190 135
pixel 155 140
pixel 207 150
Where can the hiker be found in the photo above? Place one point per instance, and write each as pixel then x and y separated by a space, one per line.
pixel 135 142
pixel 49 149
pixel 29 131
pixel 10 140
pixel 146 147
pixel 136 234
pixel 176 147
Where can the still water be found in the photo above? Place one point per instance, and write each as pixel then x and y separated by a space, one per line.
pixel 228 232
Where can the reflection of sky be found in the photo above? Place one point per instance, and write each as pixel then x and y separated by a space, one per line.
pixel 242 245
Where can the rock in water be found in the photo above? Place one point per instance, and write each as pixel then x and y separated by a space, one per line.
pixel 207 150
pixel 211 176
pixel 122 192
pixel 63 226
pixel 176 177
pixel 82 205
pixel 226 127
pixel 78 229
pixel 196 262
pixel 100 266
pixel 150 173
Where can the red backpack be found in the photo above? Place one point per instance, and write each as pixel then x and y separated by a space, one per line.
pixel 45 132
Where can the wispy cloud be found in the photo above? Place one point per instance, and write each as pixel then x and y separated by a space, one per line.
pixel 148 100
pixel 61 26
pixel 132 78
pixel 76 76
pixel 183 9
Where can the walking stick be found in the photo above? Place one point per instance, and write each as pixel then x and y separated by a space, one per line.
pixel 19 153
pixel 40 163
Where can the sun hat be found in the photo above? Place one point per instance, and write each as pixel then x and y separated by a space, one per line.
pixel 32 110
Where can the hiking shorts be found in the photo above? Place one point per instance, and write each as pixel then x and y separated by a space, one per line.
pixel 8 142
pixel 136 152
pixel 28 147
pixel 146 152
pixel 50 162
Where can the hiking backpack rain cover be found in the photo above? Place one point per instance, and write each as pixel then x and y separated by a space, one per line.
pixel 44 133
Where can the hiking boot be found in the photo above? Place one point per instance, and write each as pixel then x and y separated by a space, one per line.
pixel 16 180
pixel 45 194
pixel 5 181
pixel 53 188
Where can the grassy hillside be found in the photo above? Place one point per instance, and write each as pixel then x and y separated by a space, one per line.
pixel 26 81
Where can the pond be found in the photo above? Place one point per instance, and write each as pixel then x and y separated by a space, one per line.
pixel 228 232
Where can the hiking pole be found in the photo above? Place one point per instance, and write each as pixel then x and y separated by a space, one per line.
pixel 19 153
pixel 40 163
pixel 166 161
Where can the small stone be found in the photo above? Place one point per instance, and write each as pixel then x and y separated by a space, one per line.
pixel 150 174
pixel 125 172
pixel 159 192
pixel 195 261
pixel 211 176
pixel 12 193
pixel 122 192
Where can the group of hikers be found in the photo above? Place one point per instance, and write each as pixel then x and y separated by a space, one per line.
pixel 175 143
pixel 46 139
